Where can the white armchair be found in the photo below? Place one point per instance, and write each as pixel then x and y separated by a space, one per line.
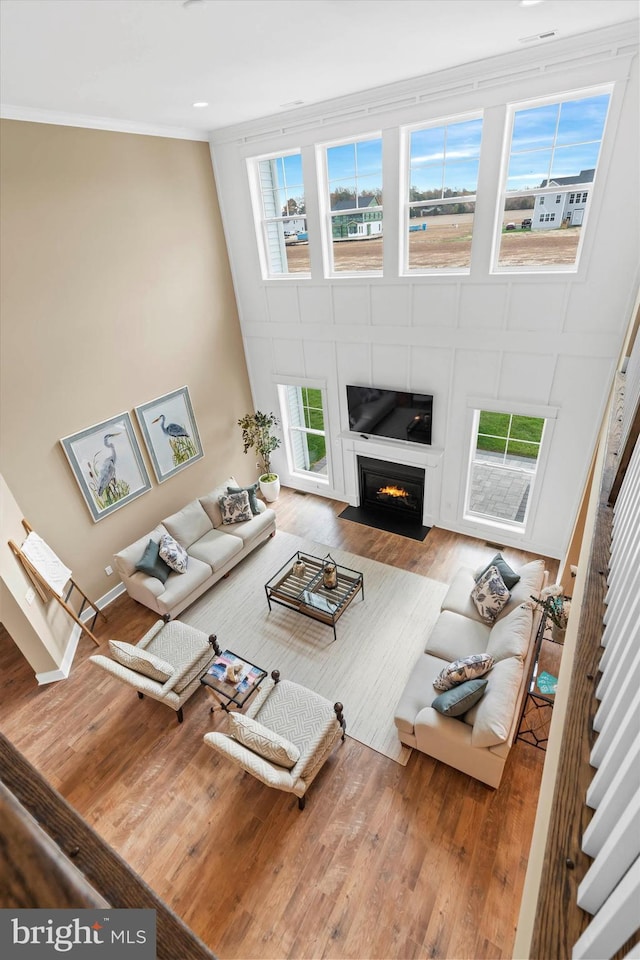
pixel 285 736
pixel 165 664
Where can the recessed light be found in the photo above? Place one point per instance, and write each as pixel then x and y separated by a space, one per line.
pixel 200 103
pixel 530 3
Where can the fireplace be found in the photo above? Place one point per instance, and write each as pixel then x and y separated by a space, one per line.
pixel 392 487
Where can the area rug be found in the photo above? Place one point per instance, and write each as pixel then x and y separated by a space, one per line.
pixel 378 638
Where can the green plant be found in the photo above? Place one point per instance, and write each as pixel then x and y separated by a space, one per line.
pixel 257 434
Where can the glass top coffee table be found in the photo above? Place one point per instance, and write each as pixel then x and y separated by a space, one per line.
pixel 303 590
pixel 237 692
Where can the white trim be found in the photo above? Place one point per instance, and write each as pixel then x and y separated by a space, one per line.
pixel 516 407
pixel 57 118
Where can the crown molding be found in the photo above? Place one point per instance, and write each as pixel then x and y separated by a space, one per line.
pixel 33 115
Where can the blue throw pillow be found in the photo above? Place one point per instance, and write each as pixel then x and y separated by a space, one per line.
pixel 152 563
pixel 253 499
pixel 455 702
pixel 509 576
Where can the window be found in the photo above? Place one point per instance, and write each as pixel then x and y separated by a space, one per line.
pixel 281 212
pixel 554 150
pixel 354 180
pixel 303 420
pixel 442 184
pixel 502 468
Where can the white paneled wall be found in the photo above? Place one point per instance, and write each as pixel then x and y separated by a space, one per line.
pixel 610 890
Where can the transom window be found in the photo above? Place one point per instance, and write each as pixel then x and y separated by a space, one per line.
pixel 502 466
pixel 443 179
pixel 354 181
pixel 282 212
pixel 303 419
pixel 554 150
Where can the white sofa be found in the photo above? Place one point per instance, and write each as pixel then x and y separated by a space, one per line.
pixel 214 549
pixel 478 742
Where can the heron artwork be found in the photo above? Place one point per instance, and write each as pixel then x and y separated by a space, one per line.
pixel 105 485
pixel 182 446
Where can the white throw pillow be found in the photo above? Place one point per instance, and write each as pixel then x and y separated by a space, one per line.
pixel 490 595
pixel 460 670
pixel 135 658
pixel 263 741
pixel 235 507
pixel 173 554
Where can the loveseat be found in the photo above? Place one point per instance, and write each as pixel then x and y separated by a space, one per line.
pixel 213 548
pixel 478 741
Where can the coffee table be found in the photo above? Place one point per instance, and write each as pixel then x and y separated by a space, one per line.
pixel 306 594
pixel 225 692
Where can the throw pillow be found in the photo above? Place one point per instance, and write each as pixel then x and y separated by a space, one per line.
pixel 490 595
pixel 252 491
pixel 460 670
pixel 235 507
pixel 509 576
pixel 135 658
pixel 455 702
pixel 173 554
pixel 152 563
pixel 263 741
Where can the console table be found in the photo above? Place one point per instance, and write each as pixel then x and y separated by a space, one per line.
pixel 537 706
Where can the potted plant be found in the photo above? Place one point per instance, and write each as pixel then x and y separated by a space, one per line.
pixel 257 434
pixel 557 608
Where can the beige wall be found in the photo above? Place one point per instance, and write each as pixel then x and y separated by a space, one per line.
pixel 115 289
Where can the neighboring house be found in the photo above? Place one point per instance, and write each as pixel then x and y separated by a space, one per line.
pixel 356 224
pixel 567 207
pixel 297 225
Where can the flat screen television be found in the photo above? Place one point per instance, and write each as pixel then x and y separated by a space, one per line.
pixel 390 413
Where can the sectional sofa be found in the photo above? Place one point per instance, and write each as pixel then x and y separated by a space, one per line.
pixel 213 549
pixel 478 741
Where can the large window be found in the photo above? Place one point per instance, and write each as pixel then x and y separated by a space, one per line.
pixel 443 178
pixel 354 181
pixel 303 420
pixel 282 215
pixel 503 465
pixel 552 166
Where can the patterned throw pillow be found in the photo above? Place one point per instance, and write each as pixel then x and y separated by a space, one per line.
pixel 455 702
pixel 173 554
pixel 235 507
pixel 490 595
pixel 140 660
pixel 460 670
pixel 263 741
pixel 253 496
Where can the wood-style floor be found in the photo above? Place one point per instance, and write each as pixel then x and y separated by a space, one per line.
pixel 385 861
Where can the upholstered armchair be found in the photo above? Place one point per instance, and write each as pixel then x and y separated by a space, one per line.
pixel 165 664
pixel 284 737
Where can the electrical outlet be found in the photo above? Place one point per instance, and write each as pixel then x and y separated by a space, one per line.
pixel 30 595
pixel 108 571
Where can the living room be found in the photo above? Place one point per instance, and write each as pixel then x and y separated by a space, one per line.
pixel 129 271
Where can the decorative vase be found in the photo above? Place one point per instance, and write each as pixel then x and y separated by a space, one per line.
pixel 299 568
pixel 329 573
pixel 557 633
pixel 270 489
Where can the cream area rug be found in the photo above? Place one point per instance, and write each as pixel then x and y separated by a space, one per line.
pixel 378 638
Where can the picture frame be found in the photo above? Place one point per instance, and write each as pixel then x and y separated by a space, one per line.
pixel 107 464
pixel 170 433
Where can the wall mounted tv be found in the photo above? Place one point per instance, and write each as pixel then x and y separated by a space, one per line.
pixel 390 413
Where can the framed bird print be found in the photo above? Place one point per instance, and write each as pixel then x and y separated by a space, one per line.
pixel 107 463
pixel 170 433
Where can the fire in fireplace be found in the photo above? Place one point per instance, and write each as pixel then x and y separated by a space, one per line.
pixel 391 487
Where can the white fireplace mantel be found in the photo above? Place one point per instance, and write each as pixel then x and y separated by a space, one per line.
pixel 394 451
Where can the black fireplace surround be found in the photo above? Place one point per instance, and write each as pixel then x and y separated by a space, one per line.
pixel 392 488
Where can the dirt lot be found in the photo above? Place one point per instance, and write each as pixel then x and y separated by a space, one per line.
pixel 447 243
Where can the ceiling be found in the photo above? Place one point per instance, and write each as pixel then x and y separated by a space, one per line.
pixel 142 64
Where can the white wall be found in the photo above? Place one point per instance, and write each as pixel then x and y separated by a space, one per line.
pixel 546 340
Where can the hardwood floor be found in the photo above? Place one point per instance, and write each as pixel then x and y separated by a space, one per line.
pixel 384 862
